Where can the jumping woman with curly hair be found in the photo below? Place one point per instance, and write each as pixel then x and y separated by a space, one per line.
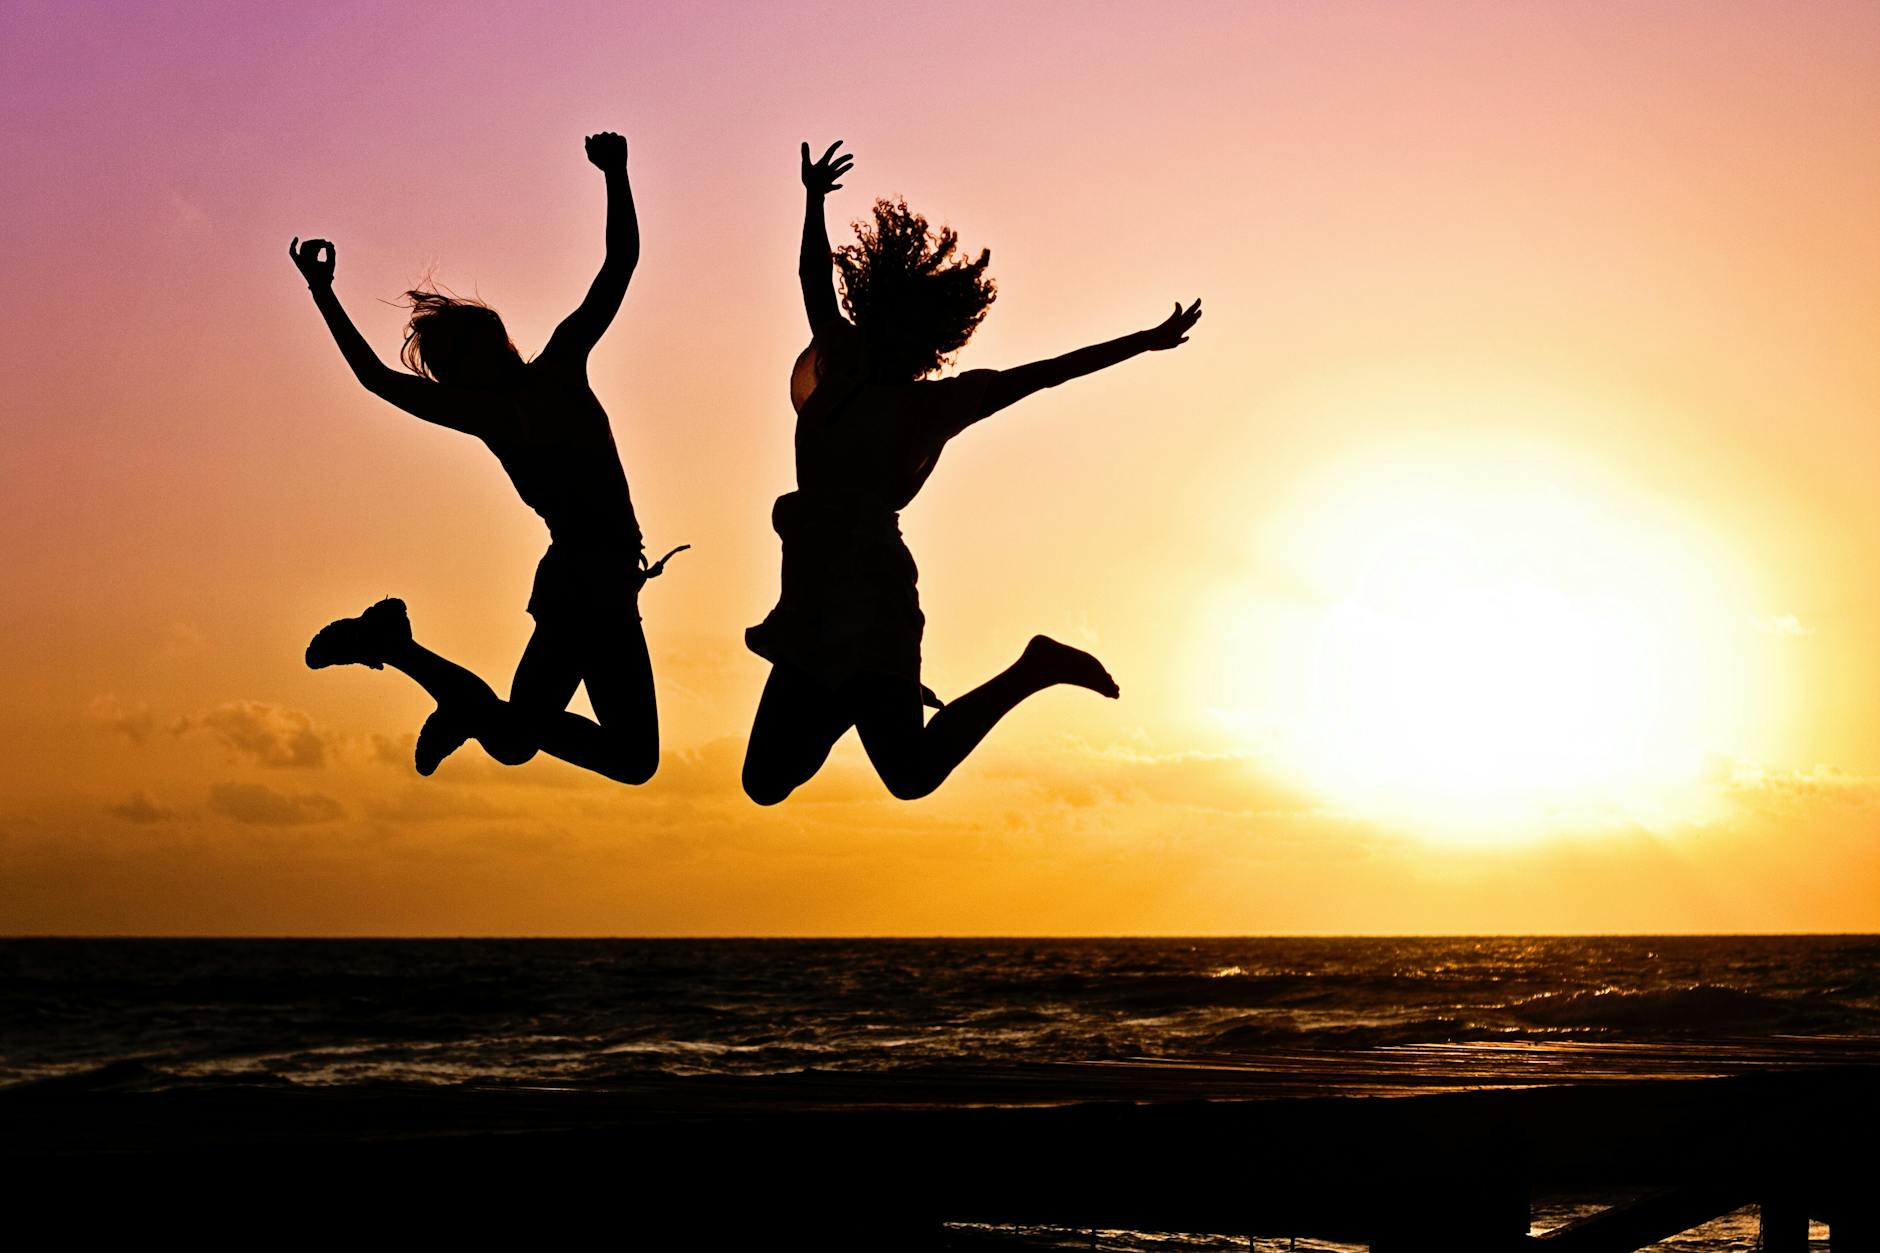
pixel 844 638
pixel 542 421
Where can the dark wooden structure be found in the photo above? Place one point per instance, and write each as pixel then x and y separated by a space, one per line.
pixel 1404 1149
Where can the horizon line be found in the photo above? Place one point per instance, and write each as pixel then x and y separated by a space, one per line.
pixel 973 936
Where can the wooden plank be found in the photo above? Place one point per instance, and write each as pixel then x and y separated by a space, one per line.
pixel 1646 1220
pixel 1784 1223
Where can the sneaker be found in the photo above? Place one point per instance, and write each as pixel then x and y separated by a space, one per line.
pixel 441 735
pixel 361 641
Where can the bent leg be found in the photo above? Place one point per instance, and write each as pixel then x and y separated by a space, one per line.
pixel 544 683
pixel 443 680
pixel 621 741
pixel 913 759
pixel 466 705
pixel 798 721
pixel 536 717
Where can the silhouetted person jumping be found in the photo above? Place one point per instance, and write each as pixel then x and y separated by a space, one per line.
pixel 545 425
pixel 844 638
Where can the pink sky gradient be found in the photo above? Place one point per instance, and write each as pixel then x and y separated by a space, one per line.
pixel 1657 220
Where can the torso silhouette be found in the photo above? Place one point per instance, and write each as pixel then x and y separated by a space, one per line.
pixel 553 438
pixel 849 602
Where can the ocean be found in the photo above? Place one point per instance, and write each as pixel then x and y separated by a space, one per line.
pixel 589 1013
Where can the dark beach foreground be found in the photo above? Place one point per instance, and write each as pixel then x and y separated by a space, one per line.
pixel 1449 1094
pixel 1422 1147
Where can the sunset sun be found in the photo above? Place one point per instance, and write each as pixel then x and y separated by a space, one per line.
pixel 1499 647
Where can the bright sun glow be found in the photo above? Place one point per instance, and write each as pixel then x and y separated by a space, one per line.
pixel 1494 647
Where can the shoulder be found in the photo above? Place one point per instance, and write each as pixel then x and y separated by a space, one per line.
pixel 833 358
pixel 555 364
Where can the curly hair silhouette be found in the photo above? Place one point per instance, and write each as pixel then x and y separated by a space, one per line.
pixel 913 296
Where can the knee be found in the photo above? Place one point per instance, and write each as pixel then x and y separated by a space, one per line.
pixel 511 752
pixel 635 768
pixel 908 785
pixel 766 788
pixel 508 748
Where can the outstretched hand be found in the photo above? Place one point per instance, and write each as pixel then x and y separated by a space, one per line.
pixel 314 260
pixel 1174 329
pixel 607 151
pixel 819 177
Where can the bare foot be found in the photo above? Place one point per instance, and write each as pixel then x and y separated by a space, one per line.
pixel 1053 662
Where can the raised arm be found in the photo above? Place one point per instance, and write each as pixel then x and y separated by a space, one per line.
pixel 419 397
pixel 812 266
pixel 582 329
pixel 1015 384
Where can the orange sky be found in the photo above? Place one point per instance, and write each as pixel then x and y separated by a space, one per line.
pixel 1457 258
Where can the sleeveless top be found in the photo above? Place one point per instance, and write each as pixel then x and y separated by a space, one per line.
pixel 555 442
pixel 849 603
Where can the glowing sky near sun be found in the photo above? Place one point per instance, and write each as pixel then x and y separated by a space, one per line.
pixel 1500 554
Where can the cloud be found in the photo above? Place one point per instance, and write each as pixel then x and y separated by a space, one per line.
pixel 712 768
pixel 1782 624
pixel 133 722
pixel 270 735
pixel 260 805
pixel 433 803
pixel 471 766
pixel 393 750
pixel 1766 789
pixel 141 808
pixel 1080 775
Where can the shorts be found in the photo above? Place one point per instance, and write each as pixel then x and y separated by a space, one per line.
pixel 850 603
pixel 581 588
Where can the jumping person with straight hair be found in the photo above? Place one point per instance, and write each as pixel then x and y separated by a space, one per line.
pixel 541 419
pixel 844 639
